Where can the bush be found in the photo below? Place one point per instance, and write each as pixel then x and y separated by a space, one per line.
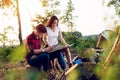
pixel 4 53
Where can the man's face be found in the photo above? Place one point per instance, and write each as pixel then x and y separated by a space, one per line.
pixel 40 35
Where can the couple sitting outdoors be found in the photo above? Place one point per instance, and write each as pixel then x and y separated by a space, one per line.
pixel 37 55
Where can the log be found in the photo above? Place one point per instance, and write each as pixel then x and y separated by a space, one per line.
pixel 71 69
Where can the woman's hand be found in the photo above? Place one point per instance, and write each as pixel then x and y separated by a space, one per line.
pixel 48 49
pixel 67 44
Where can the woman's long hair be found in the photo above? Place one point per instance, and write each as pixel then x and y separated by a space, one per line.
pixel 50 21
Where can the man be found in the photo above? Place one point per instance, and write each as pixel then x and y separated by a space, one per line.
pixel 37 56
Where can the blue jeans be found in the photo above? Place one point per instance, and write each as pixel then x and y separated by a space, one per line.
pixel 39 60
pixel 59 56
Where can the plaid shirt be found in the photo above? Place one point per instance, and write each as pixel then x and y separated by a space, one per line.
pixel 33 43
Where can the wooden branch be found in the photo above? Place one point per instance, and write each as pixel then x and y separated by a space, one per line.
pixel 107 61
pixel 71 69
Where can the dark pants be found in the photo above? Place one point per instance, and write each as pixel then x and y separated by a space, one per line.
pixel 59 56
pixel 39 60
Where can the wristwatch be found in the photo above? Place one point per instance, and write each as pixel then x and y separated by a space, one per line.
pixel 43 50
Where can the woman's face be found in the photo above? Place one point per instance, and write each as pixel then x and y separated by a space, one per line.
pixel 55 23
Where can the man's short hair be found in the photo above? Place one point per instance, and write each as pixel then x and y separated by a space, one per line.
pixel 41 28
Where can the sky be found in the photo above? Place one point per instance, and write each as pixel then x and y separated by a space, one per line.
pixel 90 16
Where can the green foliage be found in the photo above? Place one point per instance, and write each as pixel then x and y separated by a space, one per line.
pixel 110 73
pixel 74 75
pixel 68 17
pixel 71 36
pixel 15 74
pixel 117 28
pixel 18 54
pixel 12 54
pixel 116 4
pixel 10 75
pixel 80 43
pixel 50 8
pixel 90 41
pixel 112 69
pixel 12 6
pixel 4 53
pixel 4 36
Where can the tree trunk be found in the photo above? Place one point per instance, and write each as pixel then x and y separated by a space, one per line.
pixel 19 22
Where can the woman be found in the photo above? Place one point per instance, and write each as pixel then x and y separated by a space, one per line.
pixel 54 34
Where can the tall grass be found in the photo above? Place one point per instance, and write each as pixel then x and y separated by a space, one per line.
pixel 112 70
pixel 17 54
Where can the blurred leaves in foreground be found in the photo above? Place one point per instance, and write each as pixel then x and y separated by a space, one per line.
pixel 111 49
